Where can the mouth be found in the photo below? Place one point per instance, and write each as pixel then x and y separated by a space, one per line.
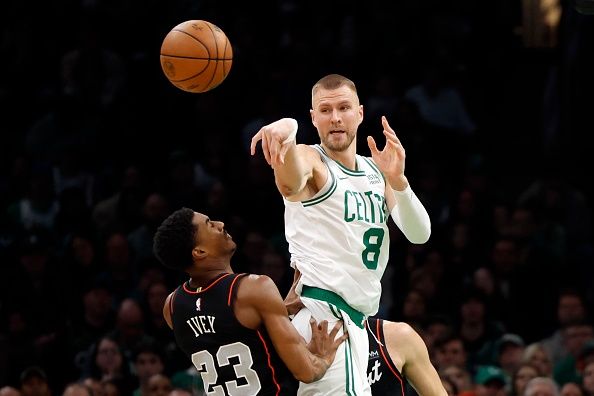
pixel 337 132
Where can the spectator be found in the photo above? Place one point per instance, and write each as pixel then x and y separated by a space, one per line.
pixel 490 381
pixel 570 307
pixel 460 377
pixel 541 386
pixel 34 382
pixel 588 379
pixel 520 378
pixel 538 356
pixel 106 362
pixel 158 385
pixel 77 389
pixel 510 352
pixel 572 389
pixel 9 391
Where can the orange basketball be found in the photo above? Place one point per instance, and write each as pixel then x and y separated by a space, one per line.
pixel 196 56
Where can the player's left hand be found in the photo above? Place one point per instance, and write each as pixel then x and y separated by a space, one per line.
pixel 390 160
pixel 324 343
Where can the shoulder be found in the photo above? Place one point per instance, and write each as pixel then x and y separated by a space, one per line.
pixel 401 329
pixel 401 337
pixel 256 287
pixel 309 151
pixel 167 309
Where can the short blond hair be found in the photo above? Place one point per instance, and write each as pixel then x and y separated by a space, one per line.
pixel 333 81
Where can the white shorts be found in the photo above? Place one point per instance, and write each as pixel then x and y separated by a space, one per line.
pixel 348 373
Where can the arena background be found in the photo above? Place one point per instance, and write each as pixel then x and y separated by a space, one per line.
pixel 97 147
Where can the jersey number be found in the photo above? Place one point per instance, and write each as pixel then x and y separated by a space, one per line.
pixel 204 363
pixel 372 240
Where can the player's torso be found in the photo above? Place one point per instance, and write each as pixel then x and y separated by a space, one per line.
pixel 339 238
pixel 383 375
pixel 231 358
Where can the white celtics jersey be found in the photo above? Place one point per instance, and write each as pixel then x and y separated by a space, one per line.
pixel 339 238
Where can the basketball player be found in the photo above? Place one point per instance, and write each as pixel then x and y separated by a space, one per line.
pixel 396 354
pixel 228 323
pixel 336 211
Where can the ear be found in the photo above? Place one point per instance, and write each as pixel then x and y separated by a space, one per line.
pixel 361 113
pixel 313 118
pixel 199 254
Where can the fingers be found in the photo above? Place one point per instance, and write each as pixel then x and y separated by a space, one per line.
pixel 265 149
pixel 257 137
pixel 283 152
pixel 335 329
pixel 388 131
pixel 386 125
pixel 273 150
pixel 342 338
pixel 323 326
pixel 372 145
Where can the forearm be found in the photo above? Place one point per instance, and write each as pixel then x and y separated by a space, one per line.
pixel 318 368
pixel 292 175
pixel 303 365
pixel 427 382
pixel 410 216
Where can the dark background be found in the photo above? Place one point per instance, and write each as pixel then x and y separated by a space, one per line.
pixel 91 128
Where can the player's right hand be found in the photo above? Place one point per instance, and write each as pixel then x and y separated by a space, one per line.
pixel 277 138
pixel 325 344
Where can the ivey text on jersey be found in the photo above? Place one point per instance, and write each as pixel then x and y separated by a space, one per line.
pixel 201 324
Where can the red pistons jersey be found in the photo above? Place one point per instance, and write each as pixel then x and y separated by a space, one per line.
pixel 384 378
pixel 231 358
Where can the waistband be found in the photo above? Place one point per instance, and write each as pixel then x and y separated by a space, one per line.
pixel 334 299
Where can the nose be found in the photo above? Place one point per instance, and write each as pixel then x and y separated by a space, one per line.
pixel 220 225
pixel 335 116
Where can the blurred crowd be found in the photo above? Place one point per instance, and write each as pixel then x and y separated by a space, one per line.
pixel 493 109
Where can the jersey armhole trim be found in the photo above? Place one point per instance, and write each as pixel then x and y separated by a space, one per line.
pixel 325 195
pixel 231 294
pixel 389 363
pixel 171 299
pixel 269 361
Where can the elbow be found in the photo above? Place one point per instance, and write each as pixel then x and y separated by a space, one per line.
pixel 306 378
pixel 420 237
pixel 287 191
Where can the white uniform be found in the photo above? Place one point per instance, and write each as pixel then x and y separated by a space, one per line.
pixel 339 241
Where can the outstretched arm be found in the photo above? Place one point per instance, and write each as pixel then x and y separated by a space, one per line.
pixel 293 164
pixel 407 211
pixel 260 303
pixel 406 345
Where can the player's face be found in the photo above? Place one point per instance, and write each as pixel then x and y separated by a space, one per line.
pixel 212 236
pixel 336 114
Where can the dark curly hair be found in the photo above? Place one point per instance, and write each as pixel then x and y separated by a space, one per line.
pixel 174 240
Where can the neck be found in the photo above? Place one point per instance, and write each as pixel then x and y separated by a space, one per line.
pixel 346 157
pixel 202 277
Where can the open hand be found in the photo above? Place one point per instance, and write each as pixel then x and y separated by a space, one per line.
pixel 277 138
pixel 390 160
pixel 325 344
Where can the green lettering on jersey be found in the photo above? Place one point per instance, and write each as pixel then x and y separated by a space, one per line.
pixel 348 218
pixel 372 240
pixel 371 206
pixel 364 206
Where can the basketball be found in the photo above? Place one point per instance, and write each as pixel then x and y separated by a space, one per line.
pixel 196 56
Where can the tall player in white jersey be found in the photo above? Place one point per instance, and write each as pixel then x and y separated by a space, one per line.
pixel 336 211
